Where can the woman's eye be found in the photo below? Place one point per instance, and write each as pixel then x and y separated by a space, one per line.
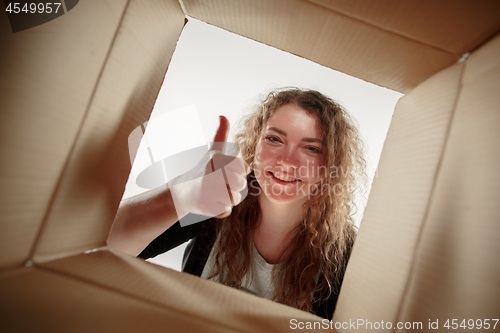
pixel 272 138
pixel 314 150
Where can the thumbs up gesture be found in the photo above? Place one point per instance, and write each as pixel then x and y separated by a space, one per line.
pixel 213 186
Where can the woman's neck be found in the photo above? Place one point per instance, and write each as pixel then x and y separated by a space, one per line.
pixel 274 231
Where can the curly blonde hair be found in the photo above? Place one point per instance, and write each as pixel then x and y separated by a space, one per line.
pixel 326 233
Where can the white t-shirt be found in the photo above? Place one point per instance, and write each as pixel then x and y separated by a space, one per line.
pixel 258 283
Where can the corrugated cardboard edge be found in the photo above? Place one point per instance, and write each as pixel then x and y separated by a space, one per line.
pixel 455 271
pixel 41 113
pixel 466 28
pixel 125 294
pixel 382 257
pixel 89 190
pixel 354 47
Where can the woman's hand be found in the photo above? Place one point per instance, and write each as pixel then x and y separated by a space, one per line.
pixel 213 187
pixel 202 191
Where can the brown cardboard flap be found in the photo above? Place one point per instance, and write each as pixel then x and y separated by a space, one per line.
pixel 329 38
pixel 380 264
pixel 456 26
pixel 456 271
pixel 42 301
pixel 180 295
pixel 47 77
pixel 89 190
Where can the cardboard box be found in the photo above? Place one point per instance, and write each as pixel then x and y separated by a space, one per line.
pixel 74 88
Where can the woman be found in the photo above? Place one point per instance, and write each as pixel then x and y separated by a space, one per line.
pixel 289 240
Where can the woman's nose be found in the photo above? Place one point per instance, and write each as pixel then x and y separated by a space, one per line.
pixel 288 159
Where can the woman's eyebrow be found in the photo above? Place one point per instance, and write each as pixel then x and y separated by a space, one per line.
pixel 276 129
pixel 280 131
pixel 312 140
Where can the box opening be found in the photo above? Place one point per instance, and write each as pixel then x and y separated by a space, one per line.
pixel 214 72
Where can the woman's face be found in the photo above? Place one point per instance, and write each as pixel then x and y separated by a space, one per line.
pixel 288 156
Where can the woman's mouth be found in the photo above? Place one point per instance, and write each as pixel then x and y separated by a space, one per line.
pixel 280 179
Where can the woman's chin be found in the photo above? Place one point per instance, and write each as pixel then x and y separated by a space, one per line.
pixel 284 198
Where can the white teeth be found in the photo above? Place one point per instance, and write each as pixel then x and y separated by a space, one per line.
pixel 286 179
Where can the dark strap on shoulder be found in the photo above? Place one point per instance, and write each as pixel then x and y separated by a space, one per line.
pixel 171 238
pixel 326 307
pixel 198 250
pixel 202 237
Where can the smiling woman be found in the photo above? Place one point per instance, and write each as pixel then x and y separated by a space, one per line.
pixel 289 240
pixel 297 214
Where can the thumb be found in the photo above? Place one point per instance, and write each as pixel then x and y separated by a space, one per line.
pixel 221 134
